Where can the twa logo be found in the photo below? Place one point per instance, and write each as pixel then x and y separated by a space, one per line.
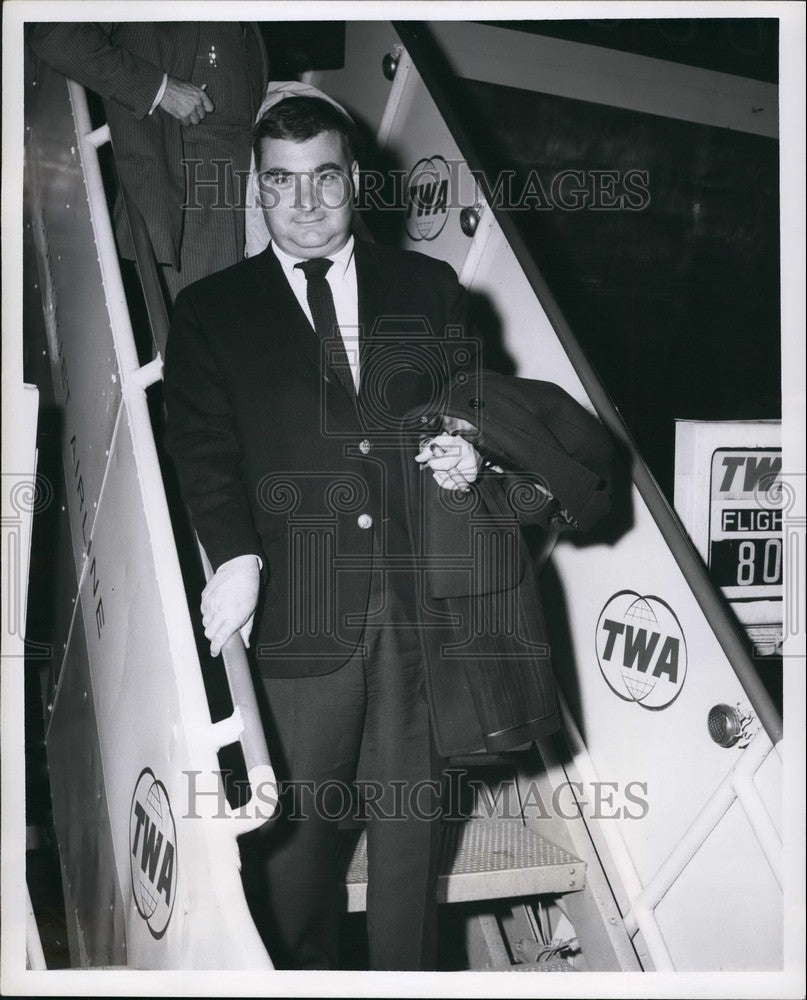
pixel 427 198
pixel 153 853
pixel 641 650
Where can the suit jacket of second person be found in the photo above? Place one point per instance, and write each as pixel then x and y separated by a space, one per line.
pixel 124 62
pixel 275 457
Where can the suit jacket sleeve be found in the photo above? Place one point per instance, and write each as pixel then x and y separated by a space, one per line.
pixel 88 54
pixel 201 437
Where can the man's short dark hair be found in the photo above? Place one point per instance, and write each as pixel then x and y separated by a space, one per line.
pixel 300 118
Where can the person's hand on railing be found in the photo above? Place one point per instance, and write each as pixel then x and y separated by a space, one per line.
pixel 184 101
pixel 229 601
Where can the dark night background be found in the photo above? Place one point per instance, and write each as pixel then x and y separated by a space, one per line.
pixel 676 305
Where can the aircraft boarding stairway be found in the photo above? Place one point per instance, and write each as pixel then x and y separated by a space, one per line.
pixel 502 875
pixel 484 857
pixel 553 892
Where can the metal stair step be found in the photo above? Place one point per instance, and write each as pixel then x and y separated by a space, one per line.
pixel 553 965
pixel 481 859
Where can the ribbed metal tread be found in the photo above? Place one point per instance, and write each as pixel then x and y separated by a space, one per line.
pixel 553 965
pixel 483 859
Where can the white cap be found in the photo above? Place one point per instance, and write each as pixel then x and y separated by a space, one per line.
pixel 256 232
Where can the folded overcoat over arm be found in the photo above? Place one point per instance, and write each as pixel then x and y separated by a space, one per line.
pixel 489 676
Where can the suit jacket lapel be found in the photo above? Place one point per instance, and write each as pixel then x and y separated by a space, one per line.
pixel 372 280
pixel 289 323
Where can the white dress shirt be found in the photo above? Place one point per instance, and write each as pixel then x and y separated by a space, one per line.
pixel 341 277
pixel 160 94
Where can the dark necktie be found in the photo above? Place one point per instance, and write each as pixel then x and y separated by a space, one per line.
pixel 323 313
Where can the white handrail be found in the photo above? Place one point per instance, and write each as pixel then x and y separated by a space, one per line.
pixel 751 801
pixel 136 378
pixel 737 785
pixel 742 773
pixel 34 954
pixel 618 850
pixel 394 98
pixel 89 140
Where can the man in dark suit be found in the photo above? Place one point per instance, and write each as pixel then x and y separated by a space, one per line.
pixel 304 386
pixel 178 97
pixel 289 379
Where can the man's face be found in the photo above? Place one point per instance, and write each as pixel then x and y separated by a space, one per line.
pixel 307 194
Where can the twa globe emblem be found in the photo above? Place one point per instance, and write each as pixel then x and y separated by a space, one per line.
pixel 641 649
pixel 427 193
pixel 152 852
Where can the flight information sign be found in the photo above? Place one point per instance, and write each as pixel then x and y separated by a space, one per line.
pixel 745 530
pixel 728 493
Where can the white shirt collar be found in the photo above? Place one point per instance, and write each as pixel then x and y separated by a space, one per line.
pixel 341 259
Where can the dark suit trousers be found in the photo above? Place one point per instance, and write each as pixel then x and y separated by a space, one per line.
pixel 369 714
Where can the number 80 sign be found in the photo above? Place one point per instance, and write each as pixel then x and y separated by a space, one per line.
pixel 745 529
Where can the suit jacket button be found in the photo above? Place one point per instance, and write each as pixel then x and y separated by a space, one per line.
pixel 476 403
pixel 365 521
pixel 364 446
